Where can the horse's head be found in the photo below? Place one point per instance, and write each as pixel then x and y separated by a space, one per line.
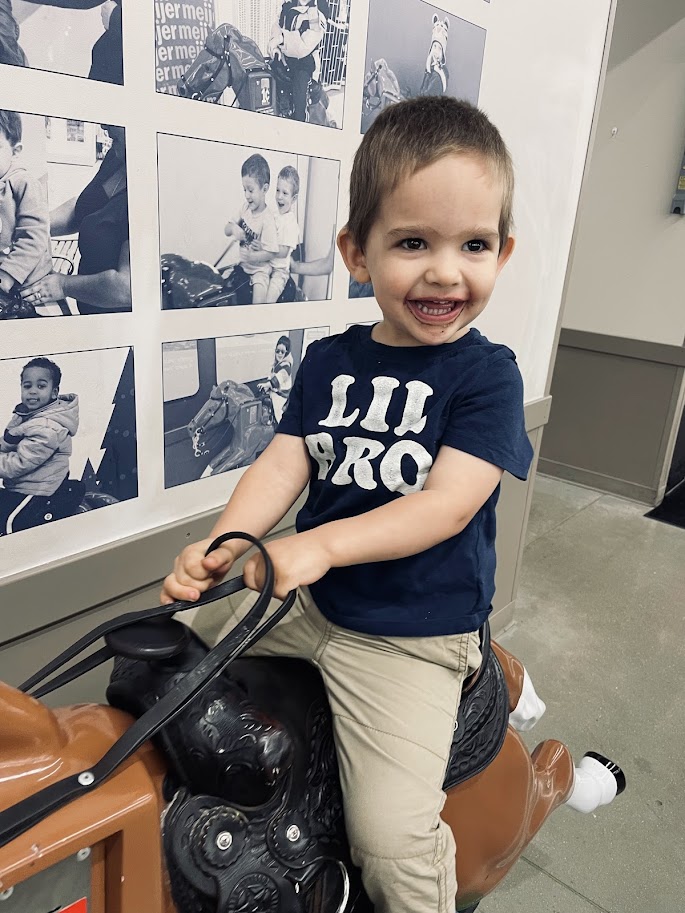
pixel 210 74
pixel 214 412
pixel 218 414
pixel 226 60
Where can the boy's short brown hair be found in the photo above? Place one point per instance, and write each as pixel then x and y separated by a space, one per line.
pixel 409 136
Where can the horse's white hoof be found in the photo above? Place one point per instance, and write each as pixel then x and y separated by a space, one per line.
pixel 597 782
pixel 529 708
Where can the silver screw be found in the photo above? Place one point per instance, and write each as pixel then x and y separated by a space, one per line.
pixel 83 854
pixel 293 833
pixel 5 895
pixel 86 779
pixel 224 841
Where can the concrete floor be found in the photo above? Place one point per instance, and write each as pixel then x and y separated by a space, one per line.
pixel 600 627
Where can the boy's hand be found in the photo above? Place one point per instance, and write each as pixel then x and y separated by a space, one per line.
pixel 194 574
pixel 298 561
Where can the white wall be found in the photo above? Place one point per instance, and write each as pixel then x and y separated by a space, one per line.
pixel 626 277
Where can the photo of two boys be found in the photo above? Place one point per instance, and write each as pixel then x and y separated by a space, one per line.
pixel 260 231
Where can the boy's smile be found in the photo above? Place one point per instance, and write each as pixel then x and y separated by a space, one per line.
pixel 254 193
pixel 433 252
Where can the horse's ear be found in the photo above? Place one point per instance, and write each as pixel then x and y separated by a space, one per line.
pixel 435 18
pixel 447 23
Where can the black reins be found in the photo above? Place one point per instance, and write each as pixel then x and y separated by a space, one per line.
pixel 17 819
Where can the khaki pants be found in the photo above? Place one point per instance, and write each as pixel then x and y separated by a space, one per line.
pixel 394 702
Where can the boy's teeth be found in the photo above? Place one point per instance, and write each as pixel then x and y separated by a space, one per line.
pixel 436 310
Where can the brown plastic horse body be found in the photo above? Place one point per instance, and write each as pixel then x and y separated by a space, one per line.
pixel 494 814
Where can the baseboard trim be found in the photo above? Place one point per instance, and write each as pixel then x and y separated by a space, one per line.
pixel 642 349
pixel 620 487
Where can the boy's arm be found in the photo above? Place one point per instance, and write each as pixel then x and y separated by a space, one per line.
pixel 299 45
pixel 31 239
pixel 262 497
pixel 31 452
pixel 456 488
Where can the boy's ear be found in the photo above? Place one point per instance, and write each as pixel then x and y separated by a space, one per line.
pixel 505 253
pixel 353 255
pixel 55 393
pixel 18 149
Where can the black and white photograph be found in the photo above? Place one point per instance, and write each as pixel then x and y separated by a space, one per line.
pixel 76 37
pixel 240 225
pixel 224 398
pixel 64 227
pixel 425 51
pixel 69 436
pixel 287 59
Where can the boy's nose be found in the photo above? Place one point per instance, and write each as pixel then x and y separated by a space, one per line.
pixel 444 270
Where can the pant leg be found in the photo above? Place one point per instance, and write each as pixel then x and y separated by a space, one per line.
pixel 394 703
pixel 300 86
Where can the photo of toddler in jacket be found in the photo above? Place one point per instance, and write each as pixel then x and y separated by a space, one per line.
pixel 35 448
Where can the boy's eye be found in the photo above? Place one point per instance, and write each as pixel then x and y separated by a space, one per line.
pixel 413 244
pixel 476 246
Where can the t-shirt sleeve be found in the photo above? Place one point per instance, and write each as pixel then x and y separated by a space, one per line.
pixel 487 420
pixel 290 236
pixel 291 420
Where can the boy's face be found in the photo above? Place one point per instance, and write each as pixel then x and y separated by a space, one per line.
pixel 7 154
pixel 433 252
pixel 280 352
pixel 284 195
pixel 37 388
pixel 255 193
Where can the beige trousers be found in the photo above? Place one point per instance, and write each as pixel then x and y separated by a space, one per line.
pixel 394 702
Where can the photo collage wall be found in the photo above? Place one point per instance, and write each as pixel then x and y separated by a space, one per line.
pixel 151 153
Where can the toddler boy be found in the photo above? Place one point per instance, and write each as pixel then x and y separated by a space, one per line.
pixel 254 226
pixel 24 216
pixel 37 443
pixel 402 432
pixel 287 230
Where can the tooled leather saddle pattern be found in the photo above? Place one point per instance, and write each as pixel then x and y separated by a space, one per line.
pixel 255 823
pixel 482 721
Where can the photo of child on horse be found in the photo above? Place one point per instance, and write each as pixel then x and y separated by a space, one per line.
pixel 283 78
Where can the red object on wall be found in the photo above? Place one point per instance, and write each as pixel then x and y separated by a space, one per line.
pixel 81 906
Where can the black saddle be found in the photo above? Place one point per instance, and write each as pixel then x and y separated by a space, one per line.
pixel 255 821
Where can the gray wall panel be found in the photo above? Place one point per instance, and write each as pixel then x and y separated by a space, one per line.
pixel 612 419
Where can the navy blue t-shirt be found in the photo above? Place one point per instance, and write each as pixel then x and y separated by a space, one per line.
pixel 373 418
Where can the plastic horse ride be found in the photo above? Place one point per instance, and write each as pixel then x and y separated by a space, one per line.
pixel 232 427
pixel 192 283
pixel 230 59
pixel 381 87
pixel 251 816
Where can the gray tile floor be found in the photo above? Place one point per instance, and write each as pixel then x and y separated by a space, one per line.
pixel 600 626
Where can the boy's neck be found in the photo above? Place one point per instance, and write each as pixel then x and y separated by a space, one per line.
pixel 260 208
